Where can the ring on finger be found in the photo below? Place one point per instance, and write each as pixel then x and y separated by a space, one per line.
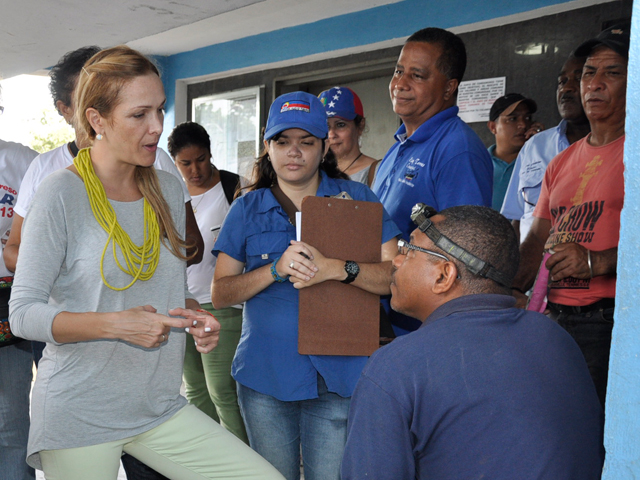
pixel 164 337
pixel 291 264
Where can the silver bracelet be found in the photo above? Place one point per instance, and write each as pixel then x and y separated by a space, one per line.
pixel 589 262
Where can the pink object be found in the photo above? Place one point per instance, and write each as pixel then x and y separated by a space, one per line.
pixel 538 300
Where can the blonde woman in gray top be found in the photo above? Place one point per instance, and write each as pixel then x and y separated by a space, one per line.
pixel 101 279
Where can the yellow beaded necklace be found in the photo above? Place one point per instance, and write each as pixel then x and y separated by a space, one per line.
pixel 141 261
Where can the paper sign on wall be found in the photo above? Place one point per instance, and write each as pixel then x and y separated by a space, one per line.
pixel 475 98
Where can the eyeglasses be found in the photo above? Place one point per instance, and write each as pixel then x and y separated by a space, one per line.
pixel 525 197
pixel 404 247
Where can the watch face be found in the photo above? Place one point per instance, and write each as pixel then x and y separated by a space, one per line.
pixel 352 268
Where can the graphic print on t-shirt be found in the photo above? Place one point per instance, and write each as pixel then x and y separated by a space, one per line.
pixel 578 222
pixel 7 201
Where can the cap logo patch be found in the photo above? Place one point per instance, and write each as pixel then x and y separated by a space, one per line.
pixel 297 105
pixel 617 32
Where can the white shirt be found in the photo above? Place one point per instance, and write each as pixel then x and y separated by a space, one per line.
pixel 47 163
pixel 210 208
pixel 14 162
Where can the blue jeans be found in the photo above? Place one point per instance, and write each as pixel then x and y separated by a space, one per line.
pixel 592 333
pixel 277 430
pixel 16 363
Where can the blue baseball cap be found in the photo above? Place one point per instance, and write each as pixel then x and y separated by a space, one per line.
pixel 341 102
pixel 297 110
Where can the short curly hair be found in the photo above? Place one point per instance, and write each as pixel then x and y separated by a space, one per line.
pixel 65 73
pixel 489 236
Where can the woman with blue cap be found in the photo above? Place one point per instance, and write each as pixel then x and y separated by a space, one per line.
pixel 291 402
pixel 345 117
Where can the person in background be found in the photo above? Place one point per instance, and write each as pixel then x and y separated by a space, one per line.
pixel 291 402
pixel 345 117
pixel 437 159
pixel 577 218
pixel 526 182
pixel 209 384
pixel 102 279
pixel 511 122
pixel 16 359
pixel 481 389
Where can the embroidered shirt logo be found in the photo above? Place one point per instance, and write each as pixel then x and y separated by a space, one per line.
pixel 412 169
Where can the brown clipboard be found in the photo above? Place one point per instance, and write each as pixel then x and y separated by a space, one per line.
pixel 336 318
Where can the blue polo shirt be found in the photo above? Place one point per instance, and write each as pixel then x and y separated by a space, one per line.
pixel 501 175
pixel 255 232
pixel 481 390
pixel 443 164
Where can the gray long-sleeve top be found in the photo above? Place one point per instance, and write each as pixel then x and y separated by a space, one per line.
pixel 93 392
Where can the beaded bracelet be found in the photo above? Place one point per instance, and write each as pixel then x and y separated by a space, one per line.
pixel 201 310
pixel 274 272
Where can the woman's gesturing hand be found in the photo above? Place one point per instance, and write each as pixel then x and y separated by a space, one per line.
pixel 144 327
pixel 202 325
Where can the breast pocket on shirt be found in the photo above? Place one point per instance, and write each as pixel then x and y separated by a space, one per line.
pixel 530 186
pixel 265 247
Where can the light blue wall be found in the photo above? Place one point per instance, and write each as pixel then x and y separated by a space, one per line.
pixel 351 30
pixel 622 427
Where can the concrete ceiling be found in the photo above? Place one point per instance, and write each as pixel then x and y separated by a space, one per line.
pixel 36 33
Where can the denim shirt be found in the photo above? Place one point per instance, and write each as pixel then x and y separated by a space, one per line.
pixel 256 231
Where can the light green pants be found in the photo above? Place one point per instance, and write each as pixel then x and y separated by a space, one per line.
pixel 189 446
pixel 209 384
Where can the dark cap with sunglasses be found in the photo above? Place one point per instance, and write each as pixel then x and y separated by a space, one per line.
pixel 421 214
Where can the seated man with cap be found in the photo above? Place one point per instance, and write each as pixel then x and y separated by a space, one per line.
pixel 510 121
pixel 482 389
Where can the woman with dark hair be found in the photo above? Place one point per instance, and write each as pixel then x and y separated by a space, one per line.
pixel 291 401
pixel 345 117
pixel 208 381
pixel 102 280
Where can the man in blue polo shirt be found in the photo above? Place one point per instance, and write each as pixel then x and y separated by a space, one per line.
pixel 482 389
pixel 437 159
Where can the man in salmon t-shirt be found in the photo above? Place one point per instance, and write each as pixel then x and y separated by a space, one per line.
pixel 577 218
